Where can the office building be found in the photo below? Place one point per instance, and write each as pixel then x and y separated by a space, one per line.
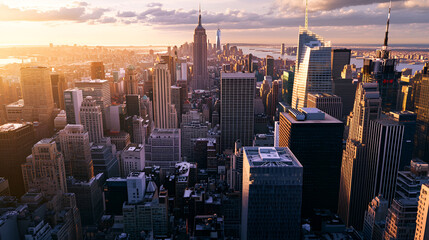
pixel 339 58
pixel 176 100
pixel 353 197
pixel 188 132
pixel 218 47
pixel 163 149
pixel 402 214
pixel 133 106
pixel 328 103
pixel 44 169
pixel 76 150
pixel 115 194
pixel 99 90
pixel 104 159
pixel 89 198
pixel 346 90
pixel 271 199
pixel 269 67
pixel 162 96
pixel 130 80
pixel 37 94
pixel 237 108
pixel 320 181
pixel 97 70
pixel 422 223
pixel 136 186
pixel 375 218
pixel 16 141
pixel 200 78
pixel 59 85
pixel 422 111
pixel 73 99
pixel 132 159
pixel 287 86
pixel 314 72
pixel 91 118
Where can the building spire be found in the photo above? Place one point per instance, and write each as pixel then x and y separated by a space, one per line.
pixel 306 14
pixel 386 37
pixel 199 17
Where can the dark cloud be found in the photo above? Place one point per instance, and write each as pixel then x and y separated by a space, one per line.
pixel 126 14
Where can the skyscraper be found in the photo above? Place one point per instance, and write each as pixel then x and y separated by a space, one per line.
pixel 382 70
pixel 218 47
pixel 314 68
pixel 329 103
pixel 319 154
pixel 131 83
pixel 97 70
pixel 91 118
pixel 271 199
pixel 402 214
pixel 37 94
pixel 375 218
pixel 76 149
pixel 269 67
pixel 132 159
pixel 422 111
pixel 353 198
pixel 59 85
pixel 422 222
pixel 44 169
pixel 162 96
pixel 73 99
pixel 16 141
pixel 99 90
pixel 339 58
pixel 200 79
pixel 237 111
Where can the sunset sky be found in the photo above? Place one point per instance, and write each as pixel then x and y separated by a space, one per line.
pixel 143 22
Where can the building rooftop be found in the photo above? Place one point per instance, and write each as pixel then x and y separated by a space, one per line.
pixel 19 103
pixel 237 75
pixel 133 147
pixel 270 157
pixel 8 127
pixel 296 117
pixel 92 81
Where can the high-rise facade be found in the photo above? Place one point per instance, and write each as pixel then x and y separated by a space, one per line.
pixel 375 217
pixel 59 85
pixel 314 68
pixel 329 103
pixel 422 111
pixel 353 198
pixel 162 96
pixel 237 108
pixel 91 118
pixel 97 70
pixel 271 198
pixel 130 80
pixel 132 159
pixel 37 94
pixel 16 141
pixel 319 154
pixel 163 148
pixel 422 222
pixel 402 214
pixel 73 99
pixel 76 149
pixel 44 169
pixel 200 79
pixel 339 58
pixel 218 47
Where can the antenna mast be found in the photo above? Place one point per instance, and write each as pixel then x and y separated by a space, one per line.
pixel 386 37
pixel 306 14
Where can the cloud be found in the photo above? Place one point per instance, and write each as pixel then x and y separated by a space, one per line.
pixel 79 13
pixel 126 14
pixel 154 4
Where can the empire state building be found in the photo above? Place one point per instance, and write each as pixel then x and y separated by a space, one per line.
pixel 200 78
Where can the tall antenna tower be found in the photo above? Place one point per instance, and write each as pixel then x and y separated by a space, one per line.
pixel 386 37
pixel 306 14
